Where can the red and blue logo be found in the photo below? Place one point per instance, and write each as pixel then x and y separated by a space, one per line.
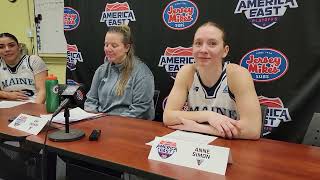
pixel 166 149
pixel 116 14
pixel 73 56
pixel 264 13
pixel 276 113
pixel 72 82
pixel 71 19
pixel 79 95
pixel 180 14
pixel 174 58
pixel 265 64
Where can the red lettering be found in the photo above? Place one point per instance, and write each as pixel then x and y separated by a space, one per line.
pixel 253 68
pixel 262 69
pixel 273 61
pixel 69 19
pixel 182 14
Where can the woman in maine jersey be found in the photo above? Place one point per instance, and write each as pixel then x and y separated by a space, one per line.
pixel 221 97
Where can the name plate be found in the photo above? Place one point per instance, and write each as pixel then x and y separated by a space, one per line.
pixel 29 124
pixel 198 156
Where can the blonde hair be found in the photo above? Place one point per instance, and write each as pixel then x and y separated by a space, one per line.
pixel 128 61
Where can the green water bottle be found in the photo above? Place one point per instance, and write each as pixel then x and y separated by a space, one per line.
pixel 52 97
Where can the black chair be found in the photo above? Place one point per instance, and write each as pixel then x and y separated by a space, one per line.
pixel 155 98
pixel 312 136
pixel 158 114
pixel 263 117
pixel 18 162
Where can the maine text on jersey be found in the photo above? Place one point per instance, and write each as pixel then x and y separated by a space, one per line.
pixel 16 81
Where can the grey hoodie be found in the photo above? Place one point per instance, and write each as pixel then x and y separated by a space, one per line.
pixel 137 100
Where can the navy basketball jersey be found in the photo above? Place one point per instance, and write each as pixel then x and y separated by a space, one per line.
pixel 217 98
pixel 20 77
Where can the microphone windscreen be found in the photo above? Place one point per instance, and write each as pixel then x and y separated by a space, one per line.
pixel 79 97
pixel 76 93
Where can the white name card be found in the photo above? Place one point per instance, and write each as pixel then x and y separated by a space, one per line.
pixel 29 124
pixel 198 156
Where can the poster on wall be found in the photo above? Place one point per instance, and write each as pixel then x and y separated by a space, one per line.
pixel 280 55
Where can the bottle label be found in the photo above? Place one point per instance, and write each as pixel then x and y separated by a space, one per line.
pixel 55 89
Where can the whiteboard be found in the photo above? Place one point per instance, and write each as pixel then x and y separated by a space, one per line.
pixel 49 31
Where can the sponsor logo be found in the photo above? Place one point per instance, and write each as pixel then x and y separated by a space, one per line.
pixel 71 19
pixel 226 89
pixel 116 14
pixel 265 64
pixel 55 89
pixel 264 13
pixel 174 58
pixel 276 113
pixel 199 161
pixel 20 120
pixel 79 95
pixel 73 56
pixel 180 14
pixel 166 149
pixel 201 154
pixel 72 82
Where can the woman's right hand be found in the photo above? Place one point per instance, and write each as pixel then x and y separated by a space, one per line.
pixel 16 95
pixel 225 125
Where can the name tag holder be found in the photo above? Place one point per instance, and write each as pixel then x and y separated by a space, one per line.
pixel 29 124
pixel 203 157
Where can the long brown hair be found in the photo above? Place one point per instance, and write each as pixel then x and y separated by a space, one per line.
pixel 128 61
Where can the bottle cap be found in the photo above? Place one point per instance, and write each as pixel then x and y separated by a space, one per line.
pixel 51 77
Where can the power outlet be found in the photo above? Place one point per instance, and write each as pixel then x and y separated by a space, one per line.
pixel 29 33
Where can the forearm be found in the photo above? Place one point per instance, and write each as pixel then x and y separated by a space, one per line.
pixel 172 117
pixel 91 105
pixel 137 111
pixel 41 97
pixel 189 125
pixel 92 102
pixel 207 129
pixel 249 131
pixel 3 95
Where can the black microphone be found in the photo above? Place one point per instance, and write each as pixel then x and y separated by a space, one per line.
pixel 76 93
pixel 72 96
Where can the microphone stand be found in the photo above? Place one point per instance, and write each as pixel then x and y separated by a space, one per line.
pixel 66 117
pixel 66 135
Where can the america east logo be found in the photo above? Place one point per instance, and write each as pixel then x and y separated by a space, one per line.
pixel 180 14
pixel 265 64
pixel 276 113
pixel 264 13
pixel 73 56
pixel 174 58
pixel 166 149
pixel 116 14
pixel 71 19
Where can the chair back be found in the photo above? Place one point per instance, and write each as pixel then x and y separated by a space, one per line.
pixel 264 109
pixel 155 98
pixel 312 136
